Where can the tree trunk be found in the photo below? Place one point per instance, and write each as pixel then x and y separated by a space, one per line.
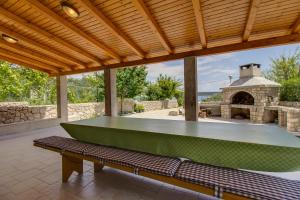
pixel 121 104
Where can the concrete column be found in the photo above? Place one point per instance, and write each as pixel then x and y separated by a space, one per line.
pixel 111 101
pixel 190 89
pixel 62 98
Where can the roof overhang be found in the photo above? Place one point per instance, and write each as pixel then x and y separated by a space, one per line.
pixel 122 33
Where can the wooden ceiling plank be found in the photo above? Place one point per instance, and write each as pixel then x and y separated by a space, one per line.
pixel 13 55
pixel 74 29
pixel 287 39
pixel 144 11
pixel 97 14
pixel 22 63
pixel 33 28
pixel 40 46
pixel 200 22
pixel 295 28
pixel 30 53
pixel 254 6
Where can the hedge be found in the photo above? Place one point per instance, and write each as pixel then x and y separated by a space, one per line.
pixel 290 90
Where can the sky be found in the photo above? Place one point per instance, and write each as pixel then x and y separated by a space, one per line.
pixel 213 71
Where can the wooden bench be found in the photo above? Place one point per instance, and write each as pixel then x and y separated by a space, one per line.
pixel 225 183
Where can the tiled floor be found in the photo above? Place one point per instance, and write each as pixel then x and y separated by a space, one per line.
pixel 30 173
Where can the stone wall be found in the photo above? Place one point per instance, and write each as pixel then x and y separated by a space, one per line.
pixel 290 104
pixel 20 113
pixel 213 107
pixel 158 105
pixel 13 113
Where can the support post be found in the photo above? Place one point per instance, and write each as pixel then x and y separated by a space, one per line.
pixel 70 164
pixel 111 101
pixel 98 167
pixel 62 99
pixel 190 89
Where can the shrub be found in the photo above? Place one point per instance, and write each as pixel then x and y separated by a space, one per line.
pixel 139 108
pixel 290 90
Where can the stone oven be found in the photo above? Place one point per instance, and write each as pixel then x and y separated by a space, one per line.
pixel 247 97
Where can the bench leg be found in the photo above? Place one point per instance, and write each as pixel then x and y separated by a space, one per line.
pixel 97 167
pixel 70 164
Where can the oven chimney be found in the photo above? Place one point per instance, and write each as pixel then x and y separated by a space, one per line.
pixel 250 70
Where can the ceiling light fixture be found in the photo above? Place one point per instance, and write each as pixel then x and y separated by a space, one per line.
pixel 69 9
pixel 9 39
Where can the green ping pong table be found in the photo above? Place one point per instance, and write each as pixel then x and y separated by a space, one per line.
pixel 242 146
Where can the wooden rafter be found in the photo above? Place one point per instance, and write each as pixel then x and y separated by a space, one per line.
pixel 20 57
pixel 35 29
pixel 24 64
pixel 72 28
pixel 295 28
pixel 293 38
pixel 145 12
pixel 36 55
pixel 251 18
pixel 200 22
pixel 41 47
pixel 97 14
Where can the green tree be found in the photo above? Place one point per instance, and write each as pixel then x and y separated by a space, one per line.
pixel 285 67
pixel 290 90
pixel 131 82
pixel 168 86
pixel 153 92
pixel 10 85
pixel 22 84
pixel 165 87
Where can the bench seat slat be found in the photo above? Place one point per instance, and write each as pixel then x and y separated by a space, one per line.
pixel 244 183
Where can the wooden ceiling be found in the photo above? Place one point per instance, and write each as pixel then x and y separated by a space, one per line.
pixel 118 33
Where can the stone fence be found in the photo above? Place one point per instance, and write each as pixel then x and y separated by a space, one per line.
pixel 290 104
pixel 158 105
pixel 14 112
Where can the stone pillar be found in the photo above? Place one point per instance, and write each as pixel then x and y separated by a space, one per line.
pixel 62 98
pixel 190 89
pixel 111 101
pixel 226 111
pixel 281 118
pixel 293 120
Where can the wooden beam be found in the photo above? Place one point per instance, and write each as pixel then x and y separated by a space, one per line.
pixel 98 15
pixel 190 89
pixel 251 18
pixel 72 28
pixel 35 29
pixel 24 64
pixel 41 47
pixel 200 22
pixel 28 60
pixel 295 28
pixel 288 39
pixel 145 12
pixel 36 55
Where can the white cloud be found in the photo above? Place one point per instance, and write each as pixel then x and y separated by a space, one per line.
pixel 214 58
pixel 162 68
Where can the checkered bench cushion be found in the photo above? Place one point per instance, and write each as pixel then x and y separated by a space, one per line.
pixel 62 143
pixel 243 183
pixel 137 160
pixel 140 161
